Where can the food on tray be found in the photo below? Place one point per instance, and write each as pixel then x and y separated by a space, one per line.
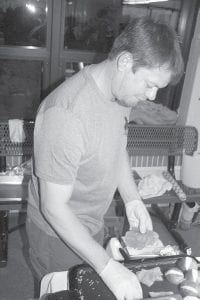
pixel 149 276
pixel 135 239
pixel 186 275
pixel 187 263
pixel 170 250
pixel 160 294
pixel 189 288
pixel 142 243
pixel 174 275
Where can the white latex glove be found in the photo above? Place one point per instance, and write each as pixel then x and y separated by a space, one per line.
pixel 138 216
pixel 121 281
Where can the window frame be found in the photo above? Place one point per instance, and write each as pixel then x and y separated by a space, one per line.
pixel 55 56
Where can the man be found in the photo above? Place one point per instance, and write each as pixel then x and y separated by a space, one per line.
pixel 80 154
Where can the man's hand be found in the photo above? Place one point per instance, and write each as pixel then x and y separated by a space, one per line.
pixel 121 281
pixel 138 216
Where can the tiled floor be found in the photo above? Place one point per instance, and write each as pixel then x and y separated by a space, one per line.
pixel 16 280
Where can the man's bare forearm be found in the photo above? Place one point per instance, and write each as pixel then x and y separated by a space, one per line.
pixel 127 186
pixel 59 215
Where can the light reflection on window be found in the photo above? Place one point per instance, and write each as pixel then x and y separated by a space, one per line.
pixel 23 23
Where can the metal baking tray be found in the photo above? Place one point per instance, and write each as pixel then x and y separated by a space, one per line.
pixel 87 285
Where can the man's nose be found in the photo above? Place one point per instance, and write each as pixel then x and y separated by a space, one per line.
pixel 151 93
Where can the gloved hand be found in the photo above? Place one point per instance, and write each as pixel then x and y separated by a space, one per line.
pixel 138 216
pixel 121 281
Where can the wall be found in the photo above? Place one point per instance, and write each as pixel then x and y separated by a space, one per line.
pixel 189 110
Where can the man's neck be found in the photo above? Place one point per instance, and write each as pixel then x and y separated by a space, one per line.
pixel 102 74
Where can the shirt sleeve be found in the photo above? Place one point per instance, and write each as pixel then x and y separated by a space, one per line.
pixel 58 146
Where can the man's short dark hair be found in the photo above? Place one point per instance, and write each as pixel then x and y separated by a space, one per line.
pixel 152 44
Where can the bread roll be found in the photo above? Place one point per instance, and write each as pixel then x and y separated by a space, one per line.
pixel 143 243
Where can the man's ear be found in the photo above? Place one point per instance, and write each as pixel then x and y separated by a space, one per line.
pixel 124 61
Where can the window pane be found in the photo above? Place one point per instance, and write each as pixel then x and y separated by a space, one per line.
pixel 20 88
pixel 73 67
pixel 91 25
pixel 23 23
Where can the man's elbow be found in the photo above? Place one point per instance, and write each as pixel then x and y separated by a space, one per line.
pixel 47 211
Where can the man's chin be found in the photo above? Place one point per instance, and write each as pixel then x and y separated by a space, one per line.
pixel 130 103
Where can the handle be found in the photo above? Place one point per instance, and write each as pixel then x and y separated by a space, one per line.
pixel 180 241
pixel 125 254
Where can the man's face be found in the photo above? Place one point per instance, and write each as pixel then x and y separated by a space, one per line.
pixel 130 87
